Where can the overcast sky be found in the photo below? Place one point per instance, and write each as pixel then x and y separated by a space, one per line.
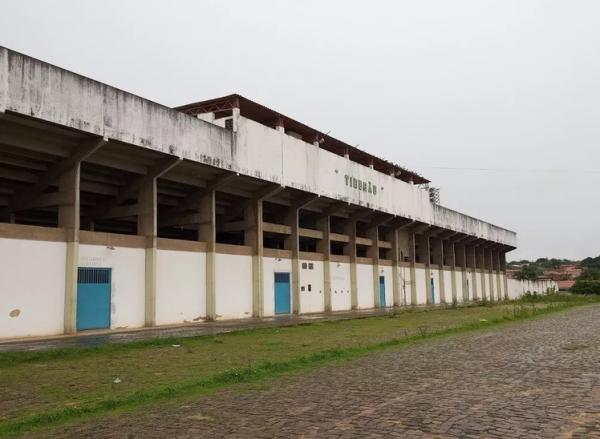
pixel 509 86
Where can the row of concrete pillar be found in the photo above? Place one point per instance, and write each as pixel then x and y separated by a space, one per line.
pixel 433 247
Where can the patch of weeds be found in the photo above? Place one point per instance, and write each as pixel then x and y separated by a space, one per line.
pixel 422 331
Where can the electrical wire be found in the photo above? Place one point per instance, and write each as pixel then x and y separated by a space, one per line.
pixel 549 171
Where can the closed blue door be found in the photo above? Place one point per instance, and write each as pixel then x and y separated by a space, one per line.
pixel 432 290
pixel 282 293
pixel 382 291
pixel 93 298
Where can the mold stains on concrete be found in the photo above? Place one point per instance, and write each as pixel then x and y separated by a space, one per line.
pixel 15 313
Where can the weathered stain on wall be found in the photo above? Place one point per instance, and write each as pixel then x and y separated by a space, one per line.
pixel 47 92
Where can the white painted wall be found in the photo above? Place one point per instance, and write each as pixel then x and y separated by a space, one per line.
pixel 180 286
pixel 494 280
pixel 341 298
pixel 364 283
pixel 405 285
pixel 127 289
pixel 312 298
pixel 459 285
pixel 32 287
pixel 435 275
pixel 469 285
pixel 448 285
pixel 420 285
pixel 477 276
pixel 516 288
pixel 486 279
pixel 233 286
pixel 503 285
pixel 270 267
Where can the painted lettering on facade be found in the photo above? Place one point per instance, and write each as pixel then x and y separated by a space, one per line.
pixel 365 186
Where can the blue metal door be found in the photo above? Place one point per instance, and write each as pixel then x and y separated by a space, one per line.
pixel 382 291
pixel 282 293
pixel 93 298
pixel 432 290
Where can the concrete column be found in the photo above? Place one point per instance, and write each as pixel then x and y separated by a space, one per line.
pixel 68 219
pixel 496 259
pixel 460 251
pixel 373 253
pixel 324 247
pixel 412 240
pixel 472 263
pixel 396 288
pixel 350 250
pixel 450 259
pixel 405 252
pixel 147 227
pixel 503 270
pixel 437 259
pixel 480 265
pixel 425 257
pixel 253 237
pixel 292 243
pixel 207 233
pixel 489 268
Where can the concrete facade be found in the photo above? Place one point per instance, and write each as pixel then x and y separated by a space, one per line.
pixel 195 213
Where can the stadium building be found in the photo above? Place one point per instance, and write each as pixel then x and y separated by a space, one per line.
pixel 117 212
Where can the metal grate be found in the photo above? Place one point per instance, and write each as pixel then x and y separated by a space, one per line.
pixel 93 275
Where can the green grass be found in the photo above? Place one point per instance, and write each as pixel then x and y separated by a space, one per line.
pixel 40 389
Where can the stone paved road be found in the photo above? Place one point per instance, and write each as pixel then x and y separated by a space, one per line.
pixel 539 378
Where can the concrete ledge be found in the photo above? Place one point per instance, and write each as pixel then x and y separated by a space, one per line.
pixel 277 253
pixel 111 239
pixel 181 245
pixel 309 256
pixel 35 233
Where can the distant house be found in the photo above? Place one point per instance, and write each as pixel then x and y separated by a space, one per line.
pixel 566 272
pixel 565 285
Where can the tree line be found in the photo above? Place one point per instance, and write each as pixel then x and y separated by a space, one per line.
pixel 587 283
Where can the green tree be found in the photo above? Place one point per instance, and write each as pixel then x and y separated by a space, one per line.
pixel 592 273
pixel 529 272
pixel 586 287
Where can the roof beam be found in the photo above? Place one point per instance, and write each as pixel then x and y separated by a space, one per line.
pixel 176 217
pixel 302 202
pixel 335 208
pixel 110 208
pixel 361 214
pixel 267 192
pixel 47 178
pixel 194 198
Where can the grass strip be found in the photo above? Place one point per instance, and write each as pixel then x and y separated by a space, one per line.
pixel 261 371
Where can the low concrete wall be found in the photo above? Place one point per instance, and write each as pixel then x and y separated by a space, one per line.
pixel 517 288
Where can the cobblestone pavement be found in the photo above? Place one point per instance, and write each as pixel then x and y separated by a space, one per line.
pixel 539 378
